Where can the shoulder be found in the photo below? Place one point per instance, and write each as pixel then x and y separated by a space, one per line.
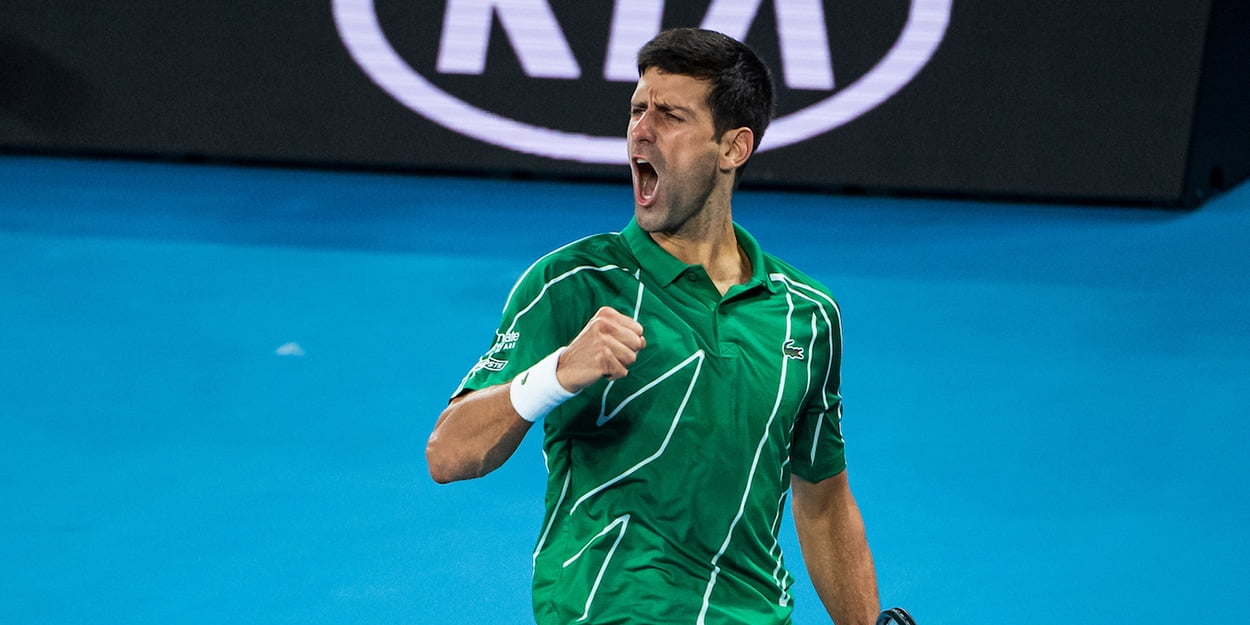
pixel 798 282
pixel 597 252
pixel 586 258
pixel 596 249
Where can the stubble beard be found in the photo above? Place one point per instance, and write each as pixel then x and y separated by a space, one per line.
pixel 675 214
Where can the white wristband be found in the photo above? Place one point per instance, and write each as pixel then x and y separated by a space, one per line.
pixel 537 391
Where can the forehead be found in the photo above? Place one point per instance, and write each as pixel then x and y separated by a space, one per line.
pixel 660 87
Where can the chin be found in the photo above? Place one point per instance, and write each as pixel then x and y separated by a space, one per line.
pixel 648 218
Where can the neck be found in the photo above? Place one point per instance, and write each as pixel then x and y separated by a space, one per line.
pixel 715 248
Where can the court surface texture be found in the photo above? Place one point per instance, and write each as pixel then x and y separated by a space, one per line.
pixel 217 384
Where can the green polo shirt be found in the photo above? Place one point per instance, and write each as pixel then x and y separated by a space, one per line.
pixel 666 488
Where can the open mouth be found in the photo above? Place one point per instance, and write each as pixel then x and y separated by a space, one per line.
pixel 646 181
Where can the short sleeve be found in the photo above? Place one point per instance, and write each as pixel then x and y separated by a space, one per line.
pixel 535 322
pixel 817 450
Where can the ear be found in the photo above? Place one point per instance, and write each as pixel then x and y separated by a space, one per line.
pixel 736 147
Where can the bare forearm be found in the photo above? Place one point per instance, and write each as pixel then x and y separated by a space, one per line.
pixel 835 550
pixel 475 435
pixel 479 431
pixel 844 577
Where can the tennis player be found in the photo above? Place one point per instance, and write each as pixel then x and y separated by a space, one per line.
pixel 686 383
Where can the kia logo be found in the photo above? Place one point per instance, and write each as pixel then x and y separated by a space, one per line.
pixel 543 51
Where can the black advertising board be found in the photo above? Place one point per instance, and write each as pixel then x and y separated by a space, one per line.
pixel 1042 100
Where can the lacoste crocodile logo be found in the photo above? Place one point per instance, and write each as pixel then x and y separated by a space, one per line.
pixel 791 350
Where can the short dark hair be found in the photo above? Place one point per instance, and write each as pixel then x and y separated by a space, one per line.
pixel 742 87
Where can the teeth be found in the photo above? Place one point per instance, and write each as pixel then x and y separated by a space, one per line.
pixel 641 161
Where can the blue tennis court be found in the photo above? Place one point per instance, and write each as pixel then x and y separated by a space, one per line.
pixel 217 383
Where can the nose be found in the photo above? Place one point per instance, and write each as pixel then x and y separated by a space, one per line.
pixel 641 128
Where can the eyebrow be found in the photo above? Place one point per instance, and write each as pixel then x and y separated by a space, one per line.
pixel 663 107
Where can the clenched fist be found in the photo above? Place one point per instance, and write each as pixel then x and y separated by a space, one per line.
pixel 605 348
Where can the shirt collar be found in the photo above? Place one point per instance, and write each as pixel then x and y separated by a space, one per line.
pixel 665 268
